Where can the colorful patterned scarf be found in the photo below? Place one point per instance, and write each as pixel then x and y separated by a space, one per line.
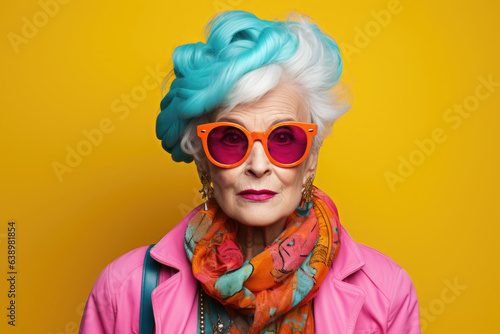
pixel 277 286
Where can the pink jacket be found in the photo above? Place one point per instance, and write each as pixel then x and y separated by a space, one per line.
pixel 365 292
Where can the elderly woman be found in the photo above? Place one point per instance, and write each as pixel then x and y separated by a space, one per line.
pixel 266 252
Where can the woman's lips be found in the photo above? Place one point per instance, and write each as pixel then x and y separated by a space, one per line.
pixel 257 195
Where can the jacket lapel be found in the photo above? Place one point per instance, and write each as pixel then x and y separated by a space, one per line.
pixel 337 306
pixel 175 300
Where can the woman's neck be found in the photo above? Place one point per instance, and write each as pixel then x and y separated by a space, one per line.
pixel 254 239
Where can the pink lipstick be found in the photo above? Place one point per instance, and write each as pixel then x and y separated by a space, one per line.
pixel 257 195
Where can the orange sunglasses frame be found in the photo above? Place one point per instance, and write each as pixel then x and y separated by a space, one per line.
pixel 203 131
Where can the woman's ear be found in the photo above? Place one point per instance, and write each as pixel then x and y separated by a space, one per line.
pixel 202 167
pixel 312 164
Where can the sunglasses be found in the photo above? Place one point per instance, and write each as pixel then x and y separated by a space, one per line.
pixel 228 145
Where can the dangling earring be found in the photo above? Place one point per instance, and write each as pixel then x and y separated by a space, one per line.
pixel 306 203
pixel 307 189
pixel 207 191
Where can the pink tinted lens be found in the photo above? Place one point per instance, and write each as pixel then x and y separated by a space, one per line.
pixel 287 144
pixel 227 144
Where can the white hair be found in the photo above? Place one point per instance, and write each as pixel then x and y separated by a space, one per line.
pixel 310 70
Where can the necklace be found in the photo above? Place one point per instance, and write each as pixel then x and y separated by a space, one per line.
pixel 202 313
pixel 218 328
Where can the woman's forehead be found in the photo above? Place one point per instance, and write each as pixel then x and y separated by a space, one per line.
pixel 281 104
pixel 261 121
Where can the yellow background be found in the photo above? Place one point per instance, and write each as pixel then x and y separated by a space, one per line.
pixel 71 73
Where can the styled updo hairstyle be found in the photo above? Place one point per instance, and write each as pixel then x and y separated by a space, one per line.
pixel 243 59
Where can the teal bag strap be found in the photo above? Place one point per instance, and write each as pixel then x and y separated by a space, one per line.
pixel 150 275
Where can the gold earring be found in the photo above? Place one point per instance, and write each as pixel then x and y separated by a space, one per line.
pixel 207 191
pixel 306 204
pixel 307 189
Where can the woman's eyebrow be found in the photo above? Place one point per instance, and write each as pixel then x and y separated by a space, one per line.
pixel 286 119
pixel 226 119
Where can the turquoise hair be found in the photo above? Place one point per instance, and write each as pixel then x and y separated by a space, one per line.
pixel 237 42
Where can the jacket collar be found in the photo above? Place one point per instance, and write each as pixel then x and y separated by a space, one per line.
pixel 170 249
pixel 349 259
pixel 337 305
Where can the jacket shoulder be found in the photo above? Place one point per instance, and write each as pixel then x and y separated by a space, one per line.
pixel 106 302
pixel 380 269
pixel 396 285
pixel 127 267
pixel 127 263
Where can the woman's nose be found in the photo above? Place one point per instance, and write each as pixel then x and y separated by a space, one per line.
pixel 257 162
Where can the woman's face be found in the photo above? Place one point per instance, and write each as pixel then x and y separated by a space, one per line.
pixel 283 103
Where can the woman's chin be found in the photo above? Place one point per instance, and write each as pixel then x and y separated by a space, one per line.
pixel 258 215
pixel 253 223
